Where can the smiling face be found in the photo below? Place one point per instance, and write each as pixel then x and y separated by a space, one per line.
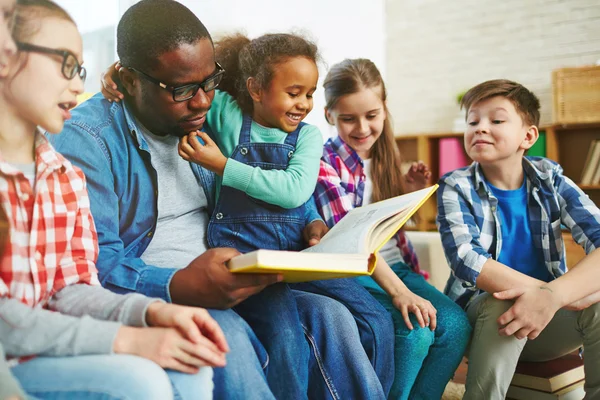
pixel 359 118
pixel 289 97
pixel 496 132
pixel 36 85
pixel 7 45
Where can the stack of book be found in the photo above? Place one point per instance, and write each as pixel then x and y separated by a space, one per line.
pixel 560 379
pixel 590 174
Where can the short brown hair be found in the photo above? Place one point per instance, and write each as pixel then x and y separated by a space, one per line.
pixel 526 103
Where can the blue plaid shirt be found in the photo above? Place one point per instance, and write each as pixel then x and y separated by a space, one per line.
pixel 470 227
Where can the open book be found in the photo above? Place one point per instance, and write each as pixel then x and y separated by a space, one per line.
pixel 348 249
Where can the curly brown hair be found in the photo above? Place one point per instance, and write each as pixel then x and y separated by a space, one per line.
pixel 243 58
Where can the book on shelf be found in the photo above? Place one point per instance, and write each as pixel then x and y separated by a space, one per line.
pixel 348 249
pixel 572 392
pixel 452 155
pixel 591 165
pixel 539 147
pixel 549 376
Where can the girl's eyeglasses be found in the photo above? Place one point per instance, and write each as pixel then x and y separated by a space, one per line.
pixel 70 66
pixel 186 92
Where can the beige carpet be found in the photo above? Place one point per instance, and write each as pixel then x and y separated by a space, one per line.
pixel 454 391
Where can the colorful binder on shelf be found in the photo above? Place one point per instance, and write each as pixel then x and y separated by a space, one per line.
pixel 452 155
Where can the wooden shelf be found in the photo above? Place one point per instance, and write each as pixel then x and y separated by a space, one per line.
pixel 589 187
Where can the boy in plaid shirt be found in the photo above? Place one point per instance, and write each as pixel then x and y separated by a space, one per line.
pixel 500 221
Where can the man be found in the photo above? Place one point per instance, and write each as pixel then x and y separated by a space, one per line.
pixel 151 210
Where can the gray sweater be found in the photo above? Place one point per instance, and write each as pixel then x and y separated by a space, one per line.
pixel 81 319
pixel 8 384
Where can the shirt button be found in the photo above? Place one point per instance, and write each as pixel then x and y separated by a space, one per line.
pixel 150 234
pixel 219 216
pixel 25 197
pixel 38 256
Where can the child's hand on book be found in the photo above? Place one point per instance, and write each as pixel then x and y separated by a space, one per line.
pixel 199 148
pixel 314 231
pixel 408 302
pixel 417 177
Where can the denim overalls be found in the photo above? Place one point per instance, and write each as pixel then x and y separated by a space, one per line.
pixel 246 223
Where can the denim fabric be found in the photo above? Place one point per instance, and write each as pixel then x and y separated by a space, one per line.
pixel 103 139
pixel 109 377
pixel 425 361
pixel 375 331
pixel 246 223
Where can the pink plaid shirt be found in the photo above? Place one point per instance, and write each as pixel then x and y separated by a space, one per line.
pixel 53 240
pixel 340 188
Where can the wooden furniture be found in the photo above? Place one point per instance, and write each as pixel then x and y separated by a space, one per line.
pixel 567 144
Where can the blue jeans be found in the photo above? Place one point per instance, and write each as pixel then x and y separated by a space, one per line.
pixel 352 339
pixel 108 377
pixel 425 360
pixel 273 316
pixel 243 377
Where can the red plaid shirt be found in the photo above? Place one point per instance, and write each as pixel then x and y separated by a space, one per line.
pixel 53 241
pixel 340 188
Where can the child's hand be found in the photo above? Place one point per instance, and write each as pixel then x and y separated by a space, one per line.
pixel 206 154
pixel 108 79
pixel 194 323
pixel 417 177
pixel 408 302
pixel 534 308
pixel 167 347
pixel 314 231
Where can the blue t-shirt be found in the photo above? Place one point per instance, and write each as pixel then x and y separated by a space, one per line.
pixel 518 250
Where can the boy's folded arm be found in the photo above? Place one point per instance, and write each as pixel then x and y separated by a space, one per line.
pixel 289 188
pixel 26 331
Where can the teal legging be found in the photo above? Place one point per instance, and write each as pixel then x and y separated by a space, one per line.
pixel 425 361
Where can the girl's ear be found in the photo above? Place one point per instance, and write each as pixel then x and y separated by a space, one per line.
pixel 329 117
pixel 129 80
pixel 531 136
pixel 254 89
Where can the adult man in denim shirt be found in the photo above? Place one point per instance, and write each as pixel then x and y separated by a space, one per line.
pixel 151 207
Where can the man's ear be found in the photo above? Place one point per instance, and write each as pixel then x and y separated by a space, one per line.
pixel 254 89
pixel 530 138
pixel 329 117
pixel 129 80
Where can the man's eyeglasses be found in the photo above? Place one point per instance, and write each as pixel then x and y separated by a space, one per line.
pixel 186 92
pixel 70 66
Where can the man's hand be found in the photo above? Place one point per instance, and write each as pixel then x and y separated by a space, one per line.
pixel 205 153
pixel 195 324
pixel 206 282
pixel 533 310
pixel 313 232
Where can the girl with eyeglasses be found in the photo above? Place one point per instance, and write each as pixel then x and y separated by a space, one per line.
pixel 64 334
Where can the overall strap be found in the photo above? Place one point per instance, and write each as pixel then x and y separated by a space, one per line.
pixel 245 131
pixel 292 138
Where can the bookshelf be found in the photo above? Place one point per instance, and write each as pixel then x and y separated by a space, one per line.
pixel 566 144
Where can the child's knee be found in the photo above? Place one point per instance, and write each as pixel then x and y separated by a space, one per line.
pixel 492 308
pixel 142 378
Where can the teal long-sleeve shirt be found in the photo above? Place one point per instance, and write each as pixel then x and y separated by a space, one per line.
pixel 289 188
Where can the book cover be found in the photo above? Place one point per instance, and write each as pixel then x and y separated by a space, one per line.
pixel 452 155
pixel 348 249
pixel 539 147
pixel 549 376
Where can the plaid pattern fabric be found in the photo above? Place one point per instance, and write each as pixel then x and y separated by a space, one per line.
pixel 470 227
pixel 340 188
pixel 53 240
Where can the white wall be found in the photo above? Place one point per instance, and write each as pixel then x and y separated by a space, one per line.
pixel 341 28
pixel 435 49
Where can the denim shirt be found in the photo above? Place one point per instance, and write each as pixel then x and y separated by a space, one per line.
pixel 470 226
pixel 103 139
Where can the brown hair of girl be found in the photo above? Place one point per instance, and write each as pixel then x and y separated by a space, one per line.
pixel 351 76
pixel 31 12
pixel 243 58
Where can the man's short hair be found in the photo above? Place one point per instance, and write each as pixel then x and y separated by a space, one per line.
pixel 526 103
pixel 150 28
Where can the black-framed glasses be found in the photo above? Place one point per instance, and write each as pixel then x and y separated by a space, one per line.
pixel 186 92
pixel 70 66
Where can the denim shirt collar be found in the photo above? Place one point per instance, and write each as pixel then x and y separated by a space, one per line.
pixel 134 128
